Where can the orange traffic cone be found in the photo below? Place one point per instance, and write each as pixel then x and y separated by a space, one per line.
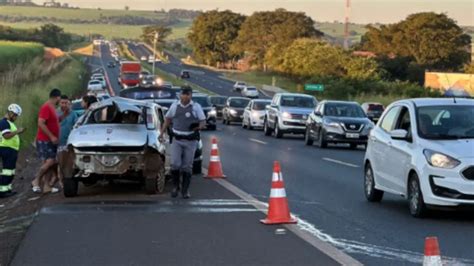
pixel 432 254
pixel 278 210
pixel 215 166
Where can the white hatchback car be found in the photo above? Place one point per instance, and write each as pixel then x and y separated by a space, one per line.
pixel 250 92
pixel 254 114
pixel 423 150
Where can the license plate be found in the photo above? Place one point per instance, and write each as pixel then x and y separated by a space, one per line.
pixel 352 136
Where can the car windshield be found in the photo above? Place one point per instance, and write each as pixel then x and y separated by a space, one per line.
pixel 298 101
pixel 376 107
pixel 94 82
pixel 241 83
pixel 218 100
pixel 343 110
pixel 446 122
pixel 149 78
pixel 132 76
pixel 202 100
pixel 251 89
pixel 239 103
pixel 259 106
pixel 149 94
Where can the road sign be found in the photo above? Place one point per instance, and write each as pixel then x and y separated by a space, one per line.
pixel 314 87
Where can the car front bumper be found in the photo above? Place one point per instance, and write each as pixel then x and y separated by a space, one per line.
pixel 343 138
pixel 447 187
pixel 293 126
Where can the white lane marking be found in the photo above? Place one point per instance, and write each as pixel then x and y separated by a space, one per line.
pixel 258 141
pixel 340 162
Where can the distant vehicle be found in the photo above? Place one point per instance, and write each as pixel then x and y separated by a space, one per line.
pixel 239 86
pixel 254 114
pixel 97 75
pixel 373 110
pixel 422 149
pixel 288 113
pixel 102 80
pixel 234 109
pixel 218 102
pixel 111 64
pixel 148 81
pixel 143 58
pixel 250 92
pixel 97 42
pixel 338 122
pixel 185 74
pixel 209 111
pixel 144 73
pixel 129 74
pixel 117 139
pixel 95 85
pixel 152 59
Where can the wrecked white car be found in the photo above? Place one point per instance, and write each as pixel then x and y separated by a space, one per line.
pixel 117 139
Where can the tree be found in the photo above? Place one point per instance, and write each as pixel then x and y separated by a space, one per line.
pixel 212 34
pixel 432 40
pixel 278 29
pixel 127 8
pixel 52 36
pixel 469 68
pixel 148 34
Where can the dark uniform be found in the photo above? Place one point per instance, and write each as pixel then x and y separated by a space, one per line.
pixel 185 141
pixel 9 154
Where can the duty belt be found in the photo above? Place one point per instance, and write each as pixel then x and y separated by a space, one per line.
pixel 194 136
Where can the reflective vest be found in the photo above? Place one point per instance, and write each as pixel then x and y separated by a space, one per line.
pixel 13 143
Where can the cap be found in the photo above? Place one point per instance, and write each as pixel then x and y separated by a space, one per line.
pixel 186 90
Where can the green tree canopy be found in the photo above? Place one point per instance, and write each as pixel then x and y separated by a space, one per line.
pixel 272 30
pixel 212 34
pixel 431 40
pixel 148 34
pixel 52 36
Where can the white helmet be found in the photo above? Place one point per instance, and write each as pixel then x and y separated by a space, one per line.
pixel 15 108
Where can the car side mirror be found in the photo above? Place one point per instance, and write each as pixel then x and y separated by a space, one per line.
pixel 317 113
pixel 399 134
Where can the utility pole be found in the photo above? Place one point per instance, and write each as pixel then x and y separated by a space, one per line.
pixel 346 25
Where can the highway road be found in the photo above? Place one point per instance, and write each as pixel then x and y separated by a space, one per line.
pixel 325 188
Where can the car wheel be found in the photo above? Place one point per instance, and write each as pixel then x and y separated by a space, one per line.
pixel 70 187
pixel 197 167
pixel 266 130
pixel 415 197
pixel 371 193
pixel 227 121
pixel 243 124
pixel 322 143
pixel 307 138
pixel 223 119
pixel 249 125
pixel 278 132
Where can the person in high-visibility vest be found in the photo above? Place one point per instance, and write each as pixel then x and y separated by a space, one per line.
pixel 9 146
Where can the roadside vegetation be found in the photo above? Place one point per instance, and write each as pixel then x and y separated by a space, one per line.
pixel 28 85
pixel 18 52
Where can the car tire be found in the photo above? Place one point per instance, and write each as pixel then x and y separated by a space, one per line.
pixel 307 138
pixel 243 124
pixel 266 129
pixel 371 193
pixel 197 167
pixel 71 187
pixel 322 143
pixel 223 119
pixel 249 125
pixel 415 197
pixel 278 132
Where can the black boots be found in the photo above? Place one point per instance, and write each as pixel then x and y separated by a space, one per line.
pixel 186 182
pixel 175 178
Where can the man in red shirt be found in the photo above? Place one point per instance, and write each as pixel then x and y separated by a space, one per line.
pixel 47 141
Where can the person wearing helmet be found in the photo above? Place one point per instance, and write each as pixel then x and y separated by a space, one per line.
pixel 9 146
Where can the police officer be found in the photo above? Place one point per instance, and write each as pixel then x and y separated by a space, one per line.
pixel 186 119
pixel 9 146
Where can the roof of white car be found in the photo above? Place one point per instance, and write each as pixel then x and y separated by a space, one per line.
pixel 439 101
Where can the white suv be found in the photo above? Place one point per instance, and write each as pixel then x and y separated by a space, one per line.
pixel 423 150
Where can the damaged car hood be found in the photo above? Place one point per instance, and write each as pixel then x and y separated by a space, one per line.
pixel 114 135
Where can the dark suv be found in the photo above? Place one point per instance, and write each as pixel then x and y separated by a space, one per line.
pixel 373 110
pixel 234 109
pixel 338 122
pixel 209 111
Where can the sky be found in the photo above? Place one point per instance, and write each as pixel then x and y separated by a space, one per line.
pixel 362 11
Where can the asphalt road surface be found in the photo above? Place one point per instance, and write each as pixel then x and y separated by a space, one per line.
pixel 325 187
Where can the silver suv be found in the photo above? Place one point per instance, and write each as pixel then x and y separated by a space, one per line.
pixel 116 139
pixel 288 113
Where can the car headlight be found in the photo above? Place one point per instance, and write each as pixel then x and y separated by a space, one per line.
pixel 255 114
pixel 159 81
pixel 332 124
pixel 232 112
pixel 286 115
pixel 440 160
pixel 212 112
